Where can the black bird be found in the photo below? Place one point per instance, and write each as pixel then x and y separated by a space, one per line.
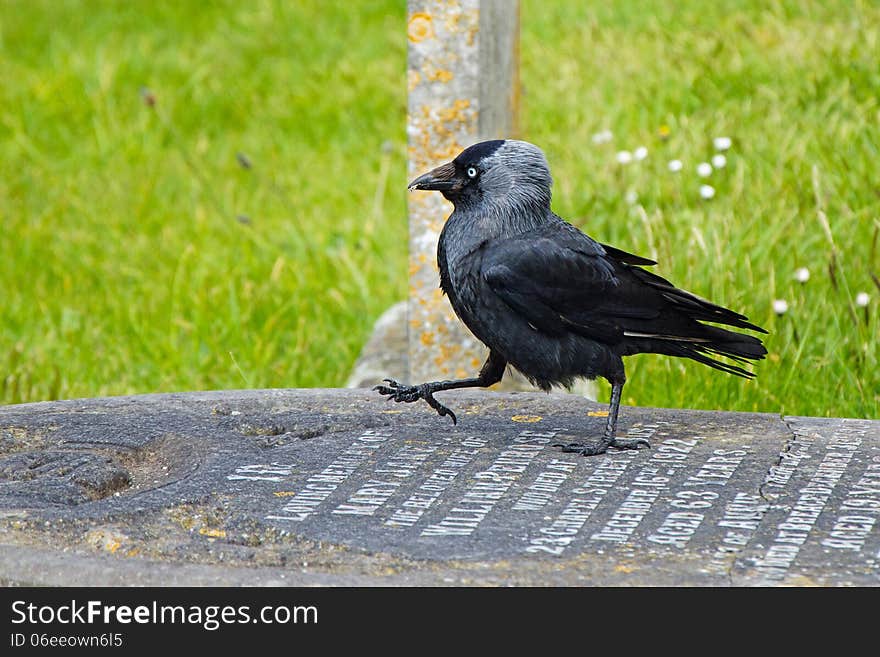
pixel 551 301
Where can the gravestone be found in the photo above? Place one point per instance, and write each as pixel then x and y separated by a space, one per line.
pixel 341 487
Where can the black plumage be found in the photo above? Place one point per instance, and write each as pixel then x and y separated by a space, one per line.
pixel 551 301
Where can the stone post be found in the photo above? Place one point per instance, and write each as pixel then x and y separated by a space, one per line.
pixel 462 77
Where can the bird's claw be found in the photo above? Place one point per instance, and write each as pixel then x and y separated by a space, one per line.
pixel 594 449
pixel 584 449
pixel 398 392
pixel 440 408
pixel 630 443
pixel 404 393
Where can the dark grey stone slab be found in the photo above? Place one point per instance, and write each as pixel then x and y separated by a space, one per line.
pixel 339 487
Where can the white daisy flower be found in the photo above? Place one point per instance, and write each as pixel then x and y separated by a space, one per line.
pixel 719 161
pixel 603 137
pixel 675 166
pixel 631 197
pixel 641 153
pixel 801 274
pixel 624 157
pixel 722 143
pixel 707 191
pixel 704 169
pixel 862 299
pixel 780 306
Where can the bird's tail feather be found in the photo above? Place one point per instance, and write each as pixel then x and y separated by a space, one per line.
pixel 737 347
pixel 698 353
pixel 693 306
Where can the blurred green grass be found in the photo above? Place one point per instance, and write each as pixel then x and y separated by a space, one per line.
pixel 139 255
pixel 795 86
pixel 126 268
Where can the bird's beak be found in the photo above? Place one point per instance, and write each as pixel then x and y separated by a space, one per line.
pixel 440 179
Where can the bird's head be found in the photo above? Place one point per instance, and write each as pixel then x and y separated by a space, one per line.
pixel 503 173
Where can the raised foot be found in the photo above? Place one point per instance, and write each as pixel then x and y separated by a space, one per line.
pixel 593 449
pixel 399 392
pixel 404 393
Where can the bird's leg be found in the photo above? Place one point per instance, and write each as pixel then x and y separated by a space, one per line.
pixel 608 439
pixel 492 371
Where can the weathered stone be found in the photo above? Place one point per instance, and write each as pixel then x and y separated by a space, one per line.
pixel 339 487
pixel 462 81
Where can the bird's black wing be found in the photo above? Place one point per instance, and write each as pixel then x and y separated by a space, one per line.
pixel 559 280
pixel 628 258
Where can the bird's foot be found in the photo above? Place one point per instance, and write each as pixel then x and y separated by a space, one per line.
pixel 404 393
pixel 398 392
pixel 593 449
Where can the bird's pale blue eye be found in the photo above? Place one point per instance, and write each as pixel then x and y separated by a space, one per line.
pixel 472 172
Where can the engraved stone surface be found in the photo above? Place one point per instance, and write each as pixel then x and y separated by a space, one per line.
pixel 339 487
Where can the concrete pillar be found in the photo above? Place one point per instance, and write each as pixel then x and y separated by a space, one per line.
pixel 463 82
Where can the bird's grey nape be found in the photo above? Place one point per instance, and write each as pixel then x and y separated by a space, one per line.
pixel 516 180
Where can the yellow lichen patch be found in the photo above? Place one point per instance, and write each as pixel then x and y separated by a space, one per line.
pixel 448 152
pixel 103 539
pixel 476 362
pixel 187 522
pixel 597 413
pixel 461 104
pixel 427 338
pixel 420 27
pixel 473 20
pixel 462 20
pixel 284 493
pixel 440 75
pixel 452 19
pixel 447 352
pixel 412 79
pixel 527 419
pixel 212 533
pixel 456 112
pixel 620 568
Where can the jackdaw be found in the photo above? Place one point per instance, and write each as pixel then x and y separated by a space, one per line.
pixel 551 301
